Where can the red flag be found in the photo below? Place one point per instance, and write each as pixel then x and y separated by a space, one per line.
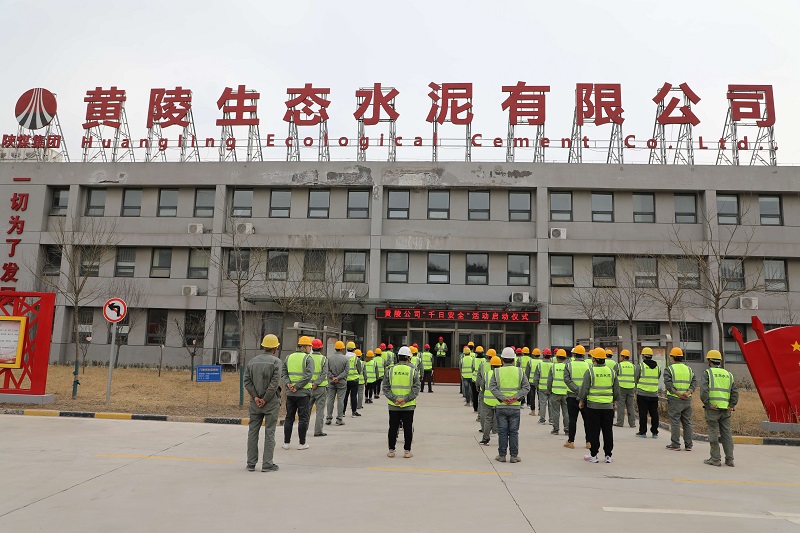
pixel 783 345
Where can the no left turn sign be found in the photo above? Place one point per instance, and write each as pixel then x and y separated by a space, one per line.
pixel 115 310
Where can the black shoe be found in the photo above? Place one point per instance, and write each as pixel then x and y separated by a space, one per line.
pixel 251 468
pixel 617 425
pixel 320 434
pixel 273 468
pixel 484 442
pixel 356 413
pixel 430 391
pixel 327 422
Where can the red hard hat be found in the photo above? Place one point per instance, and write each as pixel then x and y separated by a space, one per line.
pixel 441 338
pixel 427 346
pixel 415 345
pixel 383 346
pixel 391 347
pixel 316 344
pixel 547 351
pixel 518 350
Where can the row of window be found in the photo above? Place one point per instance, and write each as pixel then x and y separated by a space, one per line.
pixel 477 268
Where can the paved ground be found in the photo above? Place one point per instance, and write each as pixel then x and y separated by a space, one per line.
pixel 110 475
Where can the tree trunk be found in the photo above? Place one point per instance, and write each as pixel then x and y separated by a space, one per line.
pixel 242 357
pixel 630 332
pixel 77 348
pixel 669 321
pixel 718 318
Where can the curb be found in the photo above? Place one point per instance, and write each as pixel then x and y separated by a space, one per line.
pixel 743 439
pixel 131 416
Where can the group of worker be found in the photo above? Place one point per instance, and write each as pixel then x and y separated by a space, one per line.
pixel 572 386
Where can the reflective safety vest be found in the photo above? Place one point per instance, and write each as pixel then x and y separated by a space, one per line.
pixel 601 389
pixel 379 365
pixel 441 349
pixel 577 369
pixel 476 364
pixel 361 377
pixel 371 369
pixel 466 366
pixel 389 355
pixel 319 362
pixel 352 368
pixel 401 379
pixel 509 380
pixel 610 363
pixel 720 383
pixel 534 365
pixel 488 397
pixel 625 375
pixel 648 378
pixel 414 360
pixel 681 377
pixel 544 373
pixel 295 364
pixel 483 364
pixel 524 362
pixel 559 387
pixel 427 360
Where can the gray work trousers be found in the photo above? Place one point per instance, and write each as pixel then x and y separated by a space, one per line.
pixel 558 406
pixel 467 389
pixel 361 388
pixel 488 421
pixel 269 415
pixel 319 398
pixel 337 391
pixel 680 414
pixel 544 405
pixel 627 397
pixel 719 431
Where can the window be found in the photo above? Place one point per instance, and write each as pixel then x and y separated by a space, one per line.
pixel 644 208
pixel 194 328
pixel 238 264
pixel 561 271
pixel 561 334
pixel 319 203
pixel 647 328
pixel 438 267
pixel 478 205
pixel 280 203
pixel 90 262
pixel 732 274
pixel 733 354
pixel 519 206
pixel 355 267
pixel 96 202
pixel 52 260
pixel 728 209
pixel 775 275
pixel 602 207
pixel 397 267
pixel 357 204
pixel 398 202
pixel 60 199
pixel 771 212
pixel 685 209
pixel 242 203
pixel 230 330
pixel 277 265
pixel 156 327
pixel 199 259
pixel 561 206
pixel 314 265
pixel 438 204
pixel 646 272
pixel 168 202
pixel 85 324
pixel 131 202
pixel 605 328
pixel 691 336
pixel 604 271
pixel 688 273
pixel 161 262
pixel 204 203
pixel 519 269
pixel 126 262
pixel 477 269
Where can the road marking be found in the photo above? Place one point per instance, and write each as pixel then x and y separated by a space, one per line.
pixel 734 482
pixel 40 412
pixel 166 458
pixel 695 513
pixel 113 416
pixel 435 471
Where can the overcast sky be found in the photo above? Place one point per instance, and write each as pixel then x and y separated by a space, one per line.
pixel 69 47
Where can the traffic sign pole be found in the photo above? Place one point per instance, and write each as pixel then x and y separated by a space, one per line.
pixel 111 360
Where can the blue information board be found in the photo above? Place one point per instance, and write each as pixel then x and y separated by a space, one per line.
pixel 209 373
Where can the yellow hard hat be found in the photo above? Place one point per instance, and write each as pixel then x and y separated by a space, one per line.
pixel 470 344
pixel 270 341
pixel 351 345
pixel 536 351
pixel 338 346
pixel 625 353
pixel 676 352
pixel 579 350
pixel 598 353
pixel 370 354
pixel 414 349
pixel 561 352
pixel 491 352
pixel 525 349
pixel 495 361
pixel 466 349
pixel 714 354
pixel 378 351
pixel 608 351
pixel 305 340
pixel 647 351
pixel 479 349
pixel 357 352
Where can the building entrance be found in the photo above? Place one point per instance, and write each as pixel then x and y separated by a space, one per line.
pixel 433 340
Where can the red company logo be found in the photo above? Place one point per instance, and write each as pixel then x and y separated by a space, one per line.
pixel 36 108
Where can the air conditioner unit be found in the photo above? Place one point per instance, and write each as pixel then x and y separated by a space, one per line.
pixel 244 227
pixel 195 228
pixel 748 302
pixel 189 290
pixel 348 293
pixel 558 233
pixel 85 328
pixel 228 357
pixel 520 297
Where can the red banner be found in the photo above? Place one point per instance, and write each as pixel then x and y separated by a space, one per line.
pixel 462 315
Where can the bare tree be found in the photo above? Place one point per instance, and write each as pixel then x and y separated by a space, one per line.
pixel 136 299
pixel 668 292
pixel 589 301
pixel 193 332
pixel 629 297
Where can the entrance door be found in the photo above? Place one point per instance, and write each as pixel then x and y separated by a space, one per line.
pixel 447 336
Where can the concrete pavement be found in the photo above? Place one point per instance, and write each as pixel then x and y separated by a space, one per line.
pixel 111 475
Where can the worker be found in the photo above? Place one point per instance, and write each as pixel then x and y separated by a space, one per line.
pixel 427 367
pixel 297 372
pixel 558 392
pixel 362 377
pixel 389 355
pixel 353 372
pixel 479 366
pixel 262 383
pixel 338 368
pixel 440 351
pixel 319 386
pixel 508 385
pixel 610 363
pixel 646 377
pixel 627 385
pixel 541 376
pixel 401 388
pixel 466 374
pixel 524 362
pixel 518 354
pixel 573 379
pixel 380 368
pixel 488 420
pixel 719 395
pixel 478 358
pixel 599 390
pixel 680 383
pixel 371 372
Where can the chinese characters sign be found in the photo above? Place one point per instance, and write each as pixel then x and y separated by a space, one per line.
pixel 462 315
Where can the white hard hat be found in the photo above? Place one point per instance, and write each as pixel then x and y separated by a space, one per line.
pixel 404 350
pixel 508 353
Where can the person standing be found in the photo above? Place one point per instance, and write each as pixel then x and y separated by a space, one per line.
pixel 337 386
pixel 627 383
pixel 573 378
pixel 362 378
pixel 646 377
pixel 680 383
pixel 610 363
pixel 441 353
pixel 509 386
pixel 541 377
pixel 488 419
pixel 298 369
pixel 466 374
pixel 353 373
pixel 719 395
pixel 478 358
pixel 558 392
pixel 427 367
pixel 262 382
pixel 388 355
pixel 599 390
pixel 319 386
pixel 401 388
pixel 536 360
pixel 380 369
pixel 371 371
pixel 524 362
